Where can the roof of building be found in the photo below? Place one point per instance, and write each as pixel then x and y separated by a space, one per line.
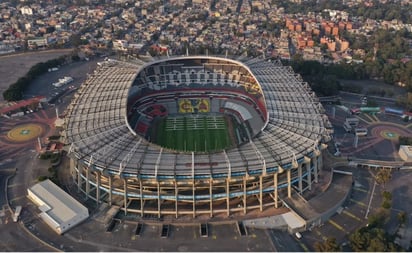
pixel 59 205
pixel 405 152
pixel 407 149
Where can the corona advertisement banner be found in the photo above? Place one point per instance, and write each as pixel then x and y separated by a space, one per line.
pixel 194 105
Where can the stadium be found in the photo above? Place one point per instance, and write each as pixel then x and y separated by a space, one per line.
pixel 195 135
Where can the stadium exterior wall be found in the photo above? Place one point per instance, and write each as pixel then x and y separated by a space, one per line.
pixel 241 194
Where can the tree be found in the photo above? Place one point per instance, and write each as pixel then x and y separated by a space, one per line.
pixel 386 204
pixel 75 40
pixel 379 218
pixel 15 91
pixel 383 176
pixel 387 195
pixel 402 217
pixel 372 239
pixel 359 240
pixel 329 245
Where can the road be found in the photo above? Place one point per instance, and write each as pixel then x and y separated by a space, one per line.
pixel 284 242
pixel 13 236
pixel 352 100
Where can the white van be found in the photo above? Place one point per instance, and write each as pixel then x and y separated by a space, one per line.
pixel 298 235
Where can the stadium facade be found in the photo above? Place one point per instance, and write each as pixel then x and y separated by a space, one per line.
pixel 276 150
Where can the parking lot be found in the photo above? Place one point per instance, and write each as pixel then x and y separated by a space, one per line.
pixel 12 67
pixel 92 235
pixel 222 237
pixel 379 144
pixel 353 213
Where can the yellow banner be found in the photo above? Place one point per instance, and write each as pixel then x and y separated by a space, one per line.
pixel 194 105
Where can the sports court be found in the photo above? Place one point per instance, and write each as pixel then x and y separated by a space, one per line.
pixel 198 133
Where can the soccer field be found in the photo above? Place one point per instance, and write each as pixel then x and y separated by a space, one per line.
pixel 193 133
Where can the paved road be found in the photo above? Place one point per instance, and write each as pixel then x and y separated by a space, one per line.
pixel 400 186
pixel 13 236
pixel 352 214
pixel 354 100
pixel 284 242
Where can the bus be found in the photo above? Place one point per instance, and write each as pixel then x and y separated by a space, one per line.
pixel 361 131
pixel 394 111
pixel 370 109
pixel 355 111
pixel 353 122
pixel 347 127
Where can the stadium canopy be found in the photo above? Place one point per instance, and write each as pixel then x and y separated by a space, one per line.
pixel 58 209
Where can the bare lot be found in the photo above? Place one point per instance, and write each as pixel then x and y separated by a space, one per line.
pixel 14 66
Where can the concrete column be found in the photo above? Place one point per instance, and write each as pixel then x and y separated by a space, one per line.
pixel 125 195
pixel 194 199
pixel 315 169
pixel 98 180
pixel 141 197
pixel 288 174
pixel 227 197
pixel 320 162
pixel 87 182
pixel 158 199
pixel 261 192
pixel 275 185
pixel 176 200
pixel 110 190
pixel 308 169
pixel 244 195
pixel 300 178
pixel 211 196
pixel 79 179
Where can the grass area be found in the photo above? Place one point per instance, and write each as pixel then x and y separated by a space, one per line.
pixel 193 133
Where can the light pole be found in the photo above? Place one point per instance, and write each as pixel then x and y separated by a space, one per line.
pixel 370 200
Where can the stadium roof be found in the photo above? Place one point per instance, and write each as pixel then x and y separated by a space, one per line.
pixel 98 131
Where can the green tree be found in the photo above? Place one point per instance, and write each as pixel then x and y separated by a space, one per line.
pixel 387 195
pixel 379 219
pixel 372 239
pixel 383 176
pixel 329 245
pixel 359 240
pixel 386 204
pixel 402 217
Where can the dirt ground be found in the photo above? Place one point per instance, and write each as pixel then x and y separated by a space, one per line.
pixel 14 66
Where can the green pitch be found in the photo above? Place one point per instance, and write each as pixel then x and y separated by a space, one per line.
pixel 193 133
